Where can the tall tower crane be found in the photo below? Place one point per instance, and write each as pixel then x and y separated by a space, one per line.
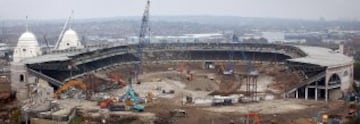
pixel 143 40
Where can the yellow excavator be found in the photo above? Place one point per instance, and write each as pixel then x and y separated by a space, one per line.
pixel 76 83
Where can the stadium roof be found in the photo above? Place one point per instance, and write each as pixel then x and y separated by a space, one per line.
pixel 322 57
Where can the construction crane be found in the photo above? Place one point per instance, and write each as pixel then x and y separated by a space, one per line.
pixel 143 40
pixel 63 30
pixel 76 83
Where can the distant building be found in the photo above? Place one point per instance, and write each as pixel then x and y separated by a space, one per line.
pixel 250 36
pixel 4 50
pixel 274 36
pixel 186 38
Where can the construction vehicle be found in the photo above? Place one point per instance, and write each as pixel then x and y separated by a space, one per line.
pixel 182 67
pixel 178 113
pixel 105 103
pixel 222 100
pixel 130 99
pixel 135 100
pixel 226 71
pixel 118 79
pixel 72 83
pixel 117 107
pixel 112 104
pixel 323 117
pixel 252 118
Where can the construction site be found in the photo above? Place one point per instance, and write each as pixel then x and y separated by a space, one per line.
pixel 175 83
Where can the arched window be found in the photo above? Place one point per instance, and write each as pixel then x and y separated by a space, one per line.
pixel 22 78
pixel 334 79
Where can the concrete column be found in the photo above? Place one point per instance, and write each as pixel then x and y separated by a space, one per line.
pixel 297 94
pixel 326 85
pixel 316 91
pixel 306 93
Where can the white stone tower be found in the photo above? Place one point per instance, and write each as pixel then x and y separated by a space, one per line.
pixel 27 47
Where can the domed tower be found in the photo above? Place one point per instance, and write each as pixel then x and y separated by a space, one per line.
pixel 70 40
pixel 26 47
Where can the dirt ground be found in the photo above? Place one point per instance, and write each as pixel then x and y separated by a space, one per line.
pixel 298 112
pixel 272 80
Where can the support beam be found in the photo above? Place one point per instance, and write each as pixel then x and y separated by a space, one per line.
pixel 297 94
pixel 326 95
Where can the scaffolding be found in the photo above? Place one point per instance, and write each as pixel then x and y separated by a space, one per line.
pixel 251 86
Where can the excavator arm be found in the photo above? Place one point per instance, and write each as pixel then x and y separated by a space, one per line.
pixel 71 83
pixel 131 93
pixel 118 79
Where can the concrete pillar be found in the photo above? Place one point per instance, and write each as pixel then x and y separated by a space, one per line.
pixel 306 93
pixel 316 91
pixel 327 76
pixel 316 94
pixel 297 94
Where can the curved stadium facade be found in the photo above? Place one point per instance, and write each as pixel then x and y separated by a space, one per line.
pixel 327 75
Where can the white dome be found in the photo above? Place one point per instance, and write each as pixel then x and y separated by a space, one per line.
pixel 28 39
pixel 70 40
pixel 26 47
pixel 70 35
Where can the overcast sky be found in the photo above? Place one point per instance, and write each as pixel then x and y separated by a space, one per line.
pixel 298 9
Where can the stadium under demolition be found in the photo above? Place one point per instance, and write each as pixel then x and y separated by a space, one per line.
pixel 198 82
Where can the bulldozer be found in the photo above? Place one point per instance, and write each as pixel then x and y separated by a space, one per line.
pixel 72 83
